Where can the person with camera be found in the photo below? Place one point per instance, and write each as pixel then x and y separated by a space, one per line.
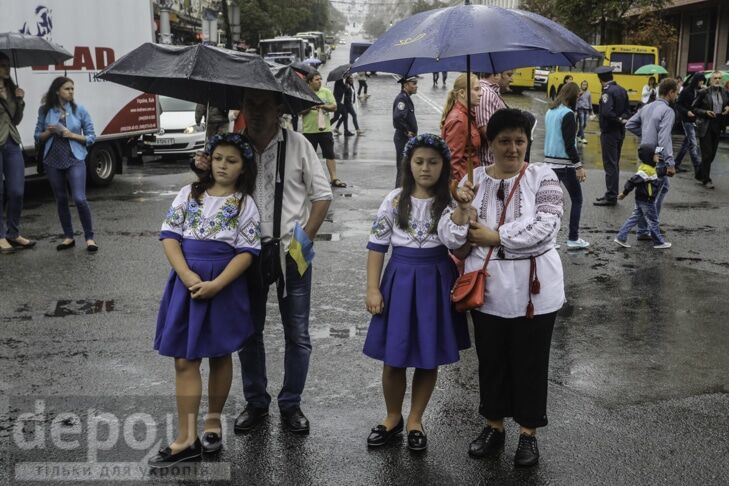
pixel 291 192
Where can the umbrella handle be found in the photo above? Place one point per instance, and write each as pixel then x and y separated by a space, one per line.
pixel 15 69
pixel 469 142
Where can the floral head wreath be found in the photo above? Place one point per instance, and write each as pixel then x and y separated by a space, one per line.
pixel 231 138
pixel 427 140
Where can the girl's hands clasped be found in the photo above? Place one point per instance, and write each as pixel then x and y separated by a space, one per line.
pixel 204 290
pixel 375 302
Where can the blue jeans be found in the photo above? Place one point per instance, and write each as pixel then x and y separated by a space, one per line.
pixel 662 191
pixel 568 177
pixel 294 310
pixel 644 211
pixel 75 176
pixel 12 184
pixel 690 144
pixel 582 117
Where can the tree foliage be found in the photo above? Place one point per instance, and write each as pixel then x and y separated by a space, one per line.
pixel 268 18
pixel 423 5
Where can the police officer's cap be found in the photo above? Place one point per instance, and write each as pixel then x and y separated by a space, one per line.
pixel 604 69
pixel 406 79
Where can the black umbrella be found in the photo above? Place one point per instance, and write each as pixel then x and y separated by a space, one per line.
pixel 297 93
pixel 339 72
pixel 199 73
pixel 30 50
pixel 302 67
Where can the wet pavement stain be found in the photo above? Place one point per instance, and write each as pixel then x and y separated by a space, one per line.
pixel 63 308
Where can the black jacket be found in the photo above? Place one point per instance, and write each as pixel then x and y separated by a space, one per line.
pixel 703 104
pixel 403 114
pixel 614 107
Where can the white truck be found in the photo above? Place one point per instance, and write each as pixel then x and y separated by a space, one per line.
pixel 96 32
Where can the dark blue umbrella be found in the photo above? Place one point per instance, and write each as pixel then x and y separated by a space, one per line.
pixel 493 39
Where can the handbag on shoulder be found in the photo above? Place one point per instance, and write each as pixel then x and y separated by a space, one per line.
pixel 469 291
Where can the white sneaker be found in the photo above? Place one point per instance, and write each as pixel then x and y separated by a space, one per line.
pixel 336 131
pixel 662 246
pixel 584 140
pixel 624 244
pixel 577 244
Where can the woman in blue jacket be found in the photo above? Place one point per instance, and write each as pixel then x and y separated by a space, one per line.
pixel 66 130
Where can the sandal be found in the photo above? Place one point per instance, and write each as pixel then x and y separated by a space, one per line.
pixel 337 183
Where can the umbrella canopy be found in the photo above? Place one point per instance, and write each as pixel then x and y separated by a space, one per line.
pixel 30 50
pixel 493 39
pixel 297 94
pixel 302 67
pixel 312 61
pixel 199 73
pixel 651 69
pixel 339 72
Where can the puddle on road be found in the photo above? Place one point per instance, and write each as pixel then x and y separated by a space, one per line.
pixel 63 308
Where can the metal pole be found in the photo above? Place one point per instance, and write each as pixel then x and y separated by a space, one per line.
pixel 469 142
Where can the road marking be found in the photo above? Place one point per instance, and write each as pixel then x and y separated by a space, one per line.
pixel 427 100
pixel 536 99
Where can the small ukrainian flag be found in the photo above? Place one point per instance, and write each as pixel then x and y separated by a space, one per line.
pixel 301 249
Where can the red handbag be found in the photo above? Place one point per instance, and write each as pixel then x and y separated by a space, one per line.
pixel 469 290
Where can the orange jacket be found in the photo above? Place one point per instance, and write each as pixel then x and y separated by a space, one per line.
pixel 454 133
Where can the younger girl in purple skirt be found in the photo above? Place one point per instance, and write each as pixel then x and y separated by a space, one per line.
pixel 413 322
pixel 210 236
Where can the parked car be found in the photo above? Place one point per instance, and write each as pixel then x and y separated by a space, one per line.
pixel 179 134
pixel 541 74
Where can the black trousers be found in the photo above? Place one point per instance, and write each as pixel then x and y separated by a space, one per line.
pixel 612 144
pixel 513 363
pixel 400 140
pixel 709 144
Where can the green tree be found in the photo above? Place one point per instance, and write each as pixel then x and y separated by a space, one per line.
pixel 375 25
pixel 423 5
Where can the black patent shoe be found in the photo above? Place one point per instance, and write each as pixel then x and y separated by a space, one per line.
pixel 380 436
pixel 249 418
pixel 489 441
pixel 22 246
pixel 66 246
pixel 417 440
pixel 211 442
pixel 527 454
pixel 295 421
pixel 165 458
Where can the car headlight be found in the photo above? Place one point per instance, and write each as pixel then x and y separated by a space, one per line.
pixel 192 129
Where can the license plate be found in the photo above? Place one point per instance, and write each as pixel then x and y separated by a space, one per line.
pixel 164 141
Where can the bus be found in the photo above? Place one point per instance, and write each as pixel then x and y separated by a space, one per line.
pixel 625 59
pixel 314 49
pixel 523 79
pixel 294 45
pixel 317 38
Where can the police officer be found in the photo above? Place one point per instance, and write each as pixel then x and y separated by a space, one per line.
pixel 614 114
pixel 403 118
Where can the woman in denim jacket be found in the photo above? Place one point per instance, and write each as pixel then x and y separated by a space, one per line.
pixel 66 130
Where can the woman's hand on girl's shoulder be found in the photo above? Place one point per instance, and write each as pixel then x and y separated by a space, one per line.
pixel 375 302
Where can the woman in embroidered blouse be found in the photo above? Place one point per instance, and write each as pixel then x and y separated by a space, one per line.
pixel 513 328
pixel 413 322
pixel 210 235
pixel 66 130
pixel 454 125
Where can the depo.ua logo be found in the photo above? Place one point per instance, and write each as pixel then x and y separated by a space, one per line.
pixel 39 23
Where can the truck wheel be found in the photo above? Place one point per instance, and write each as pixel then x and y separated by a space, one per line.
pixel 101 164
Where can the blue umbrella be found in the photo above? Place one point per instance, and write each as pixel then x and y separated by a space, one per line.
pixel 472 38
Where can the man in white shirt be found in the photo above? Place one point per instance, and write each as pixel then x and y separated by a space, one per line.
pixel 306 199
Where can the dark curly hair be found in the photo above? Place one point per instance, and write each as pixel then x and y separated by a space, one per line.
pixel 51 98
pixel 441 191
pixel 246 182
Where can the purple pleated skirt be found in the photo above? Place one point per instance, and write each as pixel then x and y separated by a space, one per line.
pixel 419 327
pixel 193 329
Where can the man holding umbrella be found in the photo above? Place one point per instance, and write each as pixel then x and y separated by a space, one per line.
pixel 403 119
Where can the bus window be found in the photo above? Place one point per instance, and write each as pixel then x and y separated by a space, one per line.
pixel 628 63
pixel 641 60
pixel 590 64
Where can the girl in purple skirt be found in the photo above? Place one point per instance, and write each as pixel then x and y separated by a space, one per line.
pixel 210 236
pixel 413 322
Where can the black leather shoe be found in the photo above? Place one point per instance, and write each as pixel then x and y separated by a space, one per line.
pixel 527 454
pixel 249 418
pixel 21 246
pixel 417 440
pixel 65 246
pixel 489 441
pixel 165 458
pixel 380 436
pixel 295 421
pixel 605 202
pixel 211 442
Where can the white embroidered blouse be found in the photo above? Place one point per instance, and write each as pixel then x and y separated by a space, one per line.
pixel 530 228
pixel 216 218
pixel 385 230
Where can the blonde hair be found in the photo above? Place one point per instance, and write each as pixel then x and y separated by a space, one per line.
pixel 459 84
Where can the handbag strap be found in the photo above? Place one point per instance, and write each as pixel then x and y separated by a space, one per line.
pixel 514 188
pixel 278 195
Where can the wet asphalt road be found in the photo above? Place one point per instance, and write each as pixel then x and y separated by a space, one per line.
pixel 639 376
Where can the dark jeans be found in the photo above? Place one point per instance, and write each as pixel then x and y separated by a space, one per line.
pixel 361 85
pixel 709 146
pixel 664 185
pixel 644 211
pixel 612 144
pixel 582 118
pixel 338 114
pixel 513 366
pixel 568 177
pixel 12 184
pixel 294 308
pixel 75 177
pixel 689 145
pixel 348 109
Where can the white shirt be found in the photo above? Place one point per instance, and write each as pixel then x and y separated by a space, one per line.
pixel 216 218
pixel 304 184
pixel 386 231
pixel 530 227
